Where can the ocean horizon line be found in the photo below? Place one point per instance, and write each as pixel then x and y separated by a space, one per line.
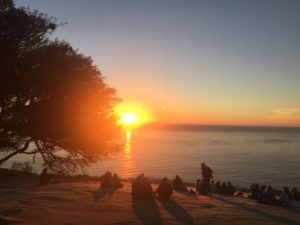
pixel 222 127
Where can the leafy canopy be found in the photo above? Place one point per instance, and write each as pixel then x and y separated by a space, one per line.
pixel 53 100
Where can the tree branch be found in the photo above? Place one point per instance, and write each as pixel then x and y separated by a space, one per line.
pixel 21 150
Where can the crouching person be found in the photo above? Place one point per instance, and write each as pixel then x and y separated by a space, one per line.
pixel 165 189
pixel 141 188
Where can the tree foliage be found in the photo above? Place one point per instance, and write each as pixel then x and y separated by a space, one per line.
pixel 53 100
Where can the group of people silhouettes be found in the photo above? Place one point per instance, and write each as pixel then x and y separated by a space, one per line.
pixel 110 181
pixel 267 195
pixel 142 189
pixel 224 188
pixel 207 187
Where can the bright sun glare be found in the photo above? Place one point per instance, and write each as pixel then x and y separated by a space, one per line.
pixel 129 118
pixel 133 114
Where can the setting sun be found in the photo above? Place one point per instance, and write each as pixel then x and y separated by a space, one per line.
pixel 133 114
pixel 129 118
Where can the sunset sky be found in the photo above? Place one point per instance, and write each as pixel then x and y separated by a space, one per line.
pixel 204 62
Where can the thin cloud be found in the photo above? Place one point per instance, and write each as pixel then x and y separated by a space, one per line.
pixel 285 116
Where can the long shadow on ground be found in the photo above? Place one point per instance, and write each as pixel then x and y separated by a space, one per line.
pixel 177 211
pixel 275 218
pixel 147 211
pixel 100 193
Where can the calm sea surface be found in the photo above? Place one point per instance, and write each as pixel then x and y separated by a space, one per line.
pixel 236 154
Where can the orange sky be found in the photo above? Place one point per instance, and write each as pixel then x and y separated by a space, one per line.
pixel 196 62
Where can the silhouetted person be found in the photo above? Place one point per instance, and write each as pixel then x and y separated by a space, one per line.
pixel 295 194
pixel 178 184
pixel 218 187
pixel 106 180
pixel 286 198
pixel 287 190
pixel 254 189
pixel 147 192
pixel 140 177
pixel 262 194
pixel 213 187
pixel 270 197
pixel 135 184
pixel 206 176
pixel 223 189
pixel 44 177
pixel 116 182
pixel 231 189
pixel 165 189
pixel 141 188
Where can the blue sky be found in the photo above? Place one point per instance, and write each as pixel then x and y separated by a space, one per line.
pixel 228 62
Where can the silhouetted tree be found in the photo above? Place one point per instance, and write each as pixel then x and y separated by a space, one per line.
pixel 53 100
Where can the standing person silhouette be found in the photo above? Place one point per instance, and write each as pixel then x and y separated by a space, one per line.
pixel 206 176
pixel 44 177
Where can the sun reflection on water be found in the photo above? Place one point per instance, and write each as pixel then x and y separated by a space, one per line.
pixel 127 160
pixel 128 145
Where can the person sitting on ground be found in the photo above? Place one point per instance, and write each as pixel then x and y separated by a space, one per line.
pixel 254 189
pixel 213 187
pixel 218 187
pixel 147 192
pixel 141 188
pixel 44 177
pixel 178 184
pixel 106 180
pixel 262 194
pixel 231 189
pixel 288 192
pixel 165 189
pixel 251 188
pixel 295 194
pixel 223 189
pixel 286 198
pixel 116 182
pixel 135 184
pixel 270 197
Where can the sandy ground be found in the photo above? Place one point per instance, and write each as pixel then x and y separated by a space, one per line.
pixel 82 203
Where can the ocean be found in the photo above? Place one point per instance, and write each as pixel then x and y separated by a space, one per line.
pixel 241 155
